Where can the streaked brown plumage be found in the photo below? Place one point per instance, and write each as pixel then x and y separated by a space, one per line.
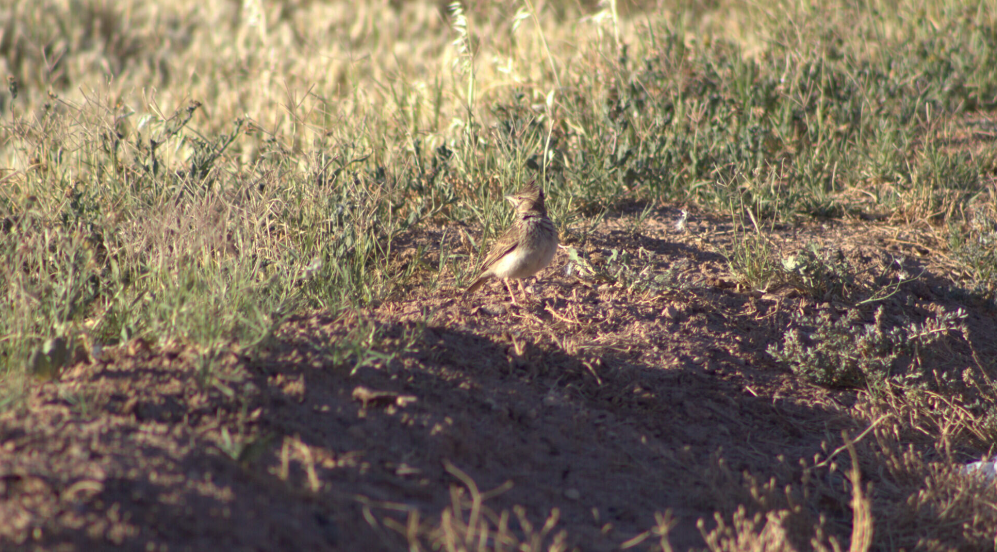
pixel 526 247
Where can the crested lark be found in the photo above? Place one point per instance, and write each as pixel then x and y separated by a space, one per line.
pixel 527 246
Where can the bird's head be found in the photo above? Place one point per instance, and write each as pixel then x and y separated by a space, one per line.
pixel 529 199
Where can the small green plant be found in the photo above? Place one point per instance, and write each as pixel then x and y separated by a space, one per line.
pixel 636 225
pixel 974 245
pixel 817 275
pixel 635 275
pixel 85 402
pixel 847 353
pixel 750 259
pixel 243 448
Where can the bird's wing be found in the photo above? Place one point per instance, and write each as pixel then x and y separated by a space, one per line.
pixel 502 247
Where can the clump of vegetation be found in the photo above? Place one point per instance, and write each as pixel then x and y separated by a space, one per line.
pixel 751 258
pixel 630 272
pixel 847 353
pixel 974 245
pixel 818 275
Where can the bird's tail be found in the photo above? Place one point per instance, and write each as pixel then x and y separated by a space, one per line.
pixel 478 283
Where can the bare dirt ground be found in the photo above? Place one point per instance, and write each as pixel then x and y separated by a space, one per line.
pixel 591 405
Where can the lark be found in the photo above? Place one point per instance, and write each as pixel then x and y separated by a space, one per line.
pixel 526 247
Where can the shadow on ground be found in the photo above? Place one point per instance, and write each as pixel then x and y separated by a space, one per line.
pixel 597 405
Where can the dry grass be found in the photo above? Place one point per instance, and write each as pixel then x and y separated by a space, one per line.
pixel 249 193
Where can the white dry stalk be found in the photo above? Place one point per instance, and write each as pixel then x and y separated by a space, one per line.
pixel 255 17
pixel 609 11
pixel 464 62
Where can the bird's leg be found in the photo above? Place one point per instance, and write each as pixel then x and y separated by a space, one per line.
pixel 523 291
pixel 506 282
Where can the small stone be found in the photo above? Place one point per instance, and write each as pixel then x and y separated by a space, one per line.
pixel 573 494
pixel 494 309
pixel 670 313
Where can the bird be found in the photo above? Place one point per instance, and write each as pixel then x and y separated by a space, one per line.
pixel 526 248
